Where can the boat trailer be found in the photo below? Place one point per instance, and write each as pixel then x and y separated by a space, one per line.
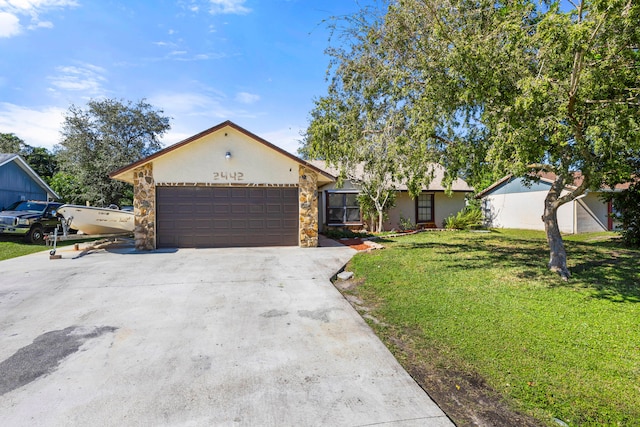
pixel 52 239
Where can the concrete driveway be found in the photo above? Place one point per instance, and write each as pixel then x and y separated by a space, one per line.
pixel 201 337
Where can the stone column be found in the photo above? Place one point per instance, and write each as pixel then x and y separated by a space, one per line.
pixel 308 196
pixel 144 207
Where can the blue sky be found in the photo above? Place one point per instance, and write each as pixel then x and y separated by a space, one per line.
pixel 257 63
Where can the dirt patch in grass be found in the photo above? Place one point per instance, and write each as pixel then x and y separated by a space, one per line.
pixel 464 397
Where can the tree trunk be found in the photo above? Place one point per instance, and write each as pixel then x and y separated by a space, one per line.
pixel 380 219
pixel 558 254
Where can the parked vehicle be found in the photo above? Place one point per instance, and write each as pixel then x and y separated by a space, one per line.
pixel 31 219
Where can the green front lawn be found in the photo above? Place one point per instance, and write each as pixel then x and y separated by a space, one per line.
pixel 12 247
pixel 15 246
pixel 486 305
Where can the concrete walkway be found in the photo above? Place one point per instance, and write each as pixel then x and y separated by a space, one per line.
pixel 209 337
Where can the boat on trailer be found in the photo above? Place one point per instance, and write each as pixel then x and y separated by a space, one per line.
pixel 93 220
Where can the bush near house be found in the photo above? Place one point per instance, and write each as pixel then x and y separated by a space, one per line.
pixel 468 218
pixel 627 203
pixel 485 307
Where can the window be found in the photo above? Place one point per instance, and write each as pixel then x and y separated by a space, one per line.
pixel 343 208
pixel 424 208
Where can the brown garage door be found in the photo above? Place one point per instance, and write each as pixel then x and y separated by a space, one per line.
pixel 209 217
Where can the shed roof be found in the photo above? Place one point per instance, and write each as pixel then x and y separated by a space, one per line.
pixel 6 158
pixel 549 178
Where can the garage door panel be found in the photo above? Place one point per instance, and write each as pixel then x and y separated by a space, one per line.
pixel 221 224
pixel 221 193
pixel 256 224
pixel 273 208
pixel 239 193
pixel 239 224
pixel 221 209
pixel 290 224
pixel 290 208
pixel 237 208
pixel 257 193
pixel 203 208
pixel 224 217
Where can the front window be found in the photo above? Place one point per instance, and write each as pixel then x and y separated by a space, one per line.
pixel 343 208
pixel 424 208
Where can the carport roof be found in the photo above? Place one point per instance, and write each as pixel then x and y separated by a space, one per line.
pixel 126 173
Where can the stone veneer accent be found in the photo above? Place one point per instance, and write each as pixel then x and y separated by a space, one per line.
pixel 308 196
pixel 144 208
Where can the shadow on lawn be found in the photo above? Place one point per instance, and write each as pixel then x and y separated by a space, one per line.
pixel 612 272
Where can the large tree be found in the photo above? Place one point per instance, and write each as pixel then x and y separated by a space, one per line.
pixel 40 159
pixel 519 87
pixel 103 137
pixel 360 126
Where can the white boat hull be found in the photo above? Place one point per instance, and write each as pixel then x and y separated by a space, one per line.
pixel 93 220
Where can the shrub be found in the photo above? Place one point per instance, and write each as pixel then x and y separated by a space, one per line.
pixel 406 224
pixel 627 203
pixel 339 233
pixel 468 218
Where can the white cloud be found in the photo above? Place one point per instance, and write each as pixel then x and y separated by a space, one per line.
pixel 287 138
pixel 37 127
pixel 165 44
pixel 185 56
pixel 34 6
pixel 12 10
pixel 41 24
pixel 183 104
pixel 228 7
pixel 85 77
pixel 193 112
pixel 247 98
pixel 9 25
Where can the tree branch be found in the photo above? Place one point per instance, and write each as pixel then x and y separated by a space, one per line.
pixel 573 4
pixel 579 191
pixel 540 167
pixel 629 101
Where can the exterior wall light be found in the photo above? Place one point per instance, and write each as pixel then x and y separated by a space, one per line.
pixel 228 155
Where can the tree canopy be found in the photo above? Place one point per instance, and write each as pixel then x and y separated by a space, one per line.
pixel 12 144
pixel 106 135
pixel 488 88
pixel 40 159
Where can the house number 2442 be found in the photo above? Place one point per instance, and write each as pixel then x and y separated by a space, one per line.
pixel 231 176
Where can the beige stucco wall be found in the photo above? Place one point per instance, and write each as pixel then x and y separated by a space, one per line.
pixel 444 206
pixel 203 161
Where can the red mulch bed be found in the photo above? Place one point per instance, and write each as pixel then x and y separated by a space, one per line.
pixel 356 244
